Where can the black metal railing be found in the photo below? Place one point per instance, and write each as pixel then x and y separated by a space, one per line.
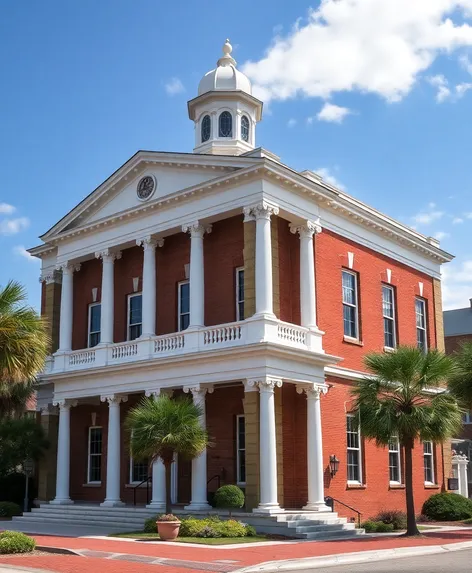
pixel 147 481
pixel 330 503
pixel 218 480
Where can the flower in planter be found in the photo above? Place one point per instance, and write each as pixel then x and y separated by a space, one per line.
pixel 168 517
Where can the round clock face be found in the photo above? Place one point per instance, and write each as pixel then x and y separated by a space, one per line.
pixel 146 187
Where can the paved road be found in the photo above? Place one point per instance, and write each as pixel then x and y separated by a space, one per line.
pixel 454 562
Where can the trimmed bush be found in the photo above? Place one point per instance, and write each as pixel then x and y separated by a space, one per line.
pixel 377 527
pixel 250 531
pixel 150 525
pixel 192 527
pixel 230 528
pixel 16 542
pixel 9 509
pixel 394 517
pixel 208 532
pixel 369 526
pixel 229 497
pixel 214 527
pixel 447 507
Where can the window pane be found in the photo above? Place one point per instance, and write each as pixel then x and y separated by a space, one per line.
pixel 242 466
pixel 427 447
pixel 135 331
pixel 184 321
pixel 387 301
pixel 389 339
pixel 349 286
pixel 140 471
pixel 350 327
pixel 393 467
pixel 226 125
pixel 240 285
pixel 244 128
pixel 94 339
pixel 95 315
pixel 95 473
pixel 135 309
pixel 184 298
pixel 353 465
pixel 206 128
pixel 241 433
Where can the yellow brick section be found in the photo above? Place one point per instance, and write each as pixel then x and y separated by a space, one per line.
pixel 249 254
pixel 51 311
pixel 47 464
pixel 274 231
pixel 438 315
pixel 251 413
pixel 279 445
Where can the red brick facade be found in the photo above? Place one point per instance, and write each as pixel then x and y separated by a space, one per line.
pixel 453 343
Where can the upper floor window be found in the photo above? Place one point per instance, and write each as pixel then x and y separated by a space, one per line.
pixel 421 333
pixel 240 450
pixel 354 463
pixel 388 311
pixel 94 462
pixel 184 305
pixel 206 128
pixel 94 321
pixel 226 125
pixel 394 466
pixel 350 305
pixel 428 457
pixel 467 417
pixel 240 294
pixel 135 316
pixel 244 128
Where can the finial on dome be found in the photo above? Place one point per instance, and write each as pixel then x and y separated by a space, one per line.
pixel 227 60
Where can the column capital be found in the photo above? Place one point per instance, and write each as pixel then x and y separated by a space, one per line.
pixel 107 255
pixel 196 229
pixel 65 404
pixel 49 410
pixel 198 390
pixel 114 399
pixel 312 391
pixel 262 210
pixel 68 268
pixel 248 214
pixel 51 276
pixel 149 242
pixel 156 392
pixel 264 383
pixel 306 229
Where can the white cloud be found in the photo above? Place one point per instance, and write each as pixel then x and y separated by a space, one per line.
pixel 328 176
pixel 457 284
pixel 468 215
pixel 22 252
pixel 292 122
pixel 457 221
pixel 333 113
pixel 13 226
pixel 466 63
pixel 6 209
pixel 440 235
pixel 427 217
pixel 444 92
pixel 375 46
pixel 174 86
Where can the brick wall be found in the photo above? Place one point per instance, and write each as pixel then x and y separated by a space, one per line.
pixel 453 343
pixel 128 267
pixel 289 262
pixel 89 277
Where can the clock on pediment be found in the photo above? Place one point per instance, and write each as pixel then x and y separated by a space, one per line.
pixel 146 187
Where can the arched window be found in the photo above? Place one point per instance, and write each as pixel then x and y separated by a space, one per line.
pixel 244 128
pixel 226 125
pixel 206 128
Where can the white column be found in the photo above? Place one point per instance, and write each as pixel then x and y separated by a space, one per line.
pixel 307 272
pixel 113 482
pixel 197 275
pixel 460 464
pixel 199 499
pixel 63 453
pixel 314 448
pixel 67 302
pixel 149 284
pixel 107 298
pixel 268 499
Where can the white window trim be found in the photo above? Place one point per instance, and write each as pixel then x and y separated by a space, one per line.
pixel 431 455
pixel 238 270
pixel 89 333
pixel 359 449
pixel 423 302
pixel 399 458
pixel 128 314
pixel 467 418
pixel 89 455
pixel 356 305
pixel 131 464
pixel 178 303
pixel 238 450
pixel 392 318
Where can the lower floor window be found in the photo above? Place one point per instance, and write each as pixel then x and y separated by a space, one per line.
pixel 139 471
pixel 428 456
pixel 354 472
pixel 94 470
pixel 394 460
pixel 241 450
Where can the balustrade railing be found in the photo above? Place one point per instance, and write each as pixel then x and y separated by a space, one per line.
pixel 292 333
pixel 82 357
pixel 169 343
pixel 222 334
pixel 124 351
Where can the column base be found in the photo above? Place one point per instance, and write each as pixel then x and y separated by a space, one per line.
pixel 317 506
pixel 158 505
pixel 268 508
pixel 112 503
pixel 61 501
pixel 198 506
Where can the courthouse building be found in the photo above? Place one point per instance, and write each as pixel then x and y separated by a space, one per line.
pixel 253 288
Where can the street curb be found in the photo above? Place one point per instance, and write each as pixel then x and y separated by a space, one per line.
pixel 57 550
pixel 352 558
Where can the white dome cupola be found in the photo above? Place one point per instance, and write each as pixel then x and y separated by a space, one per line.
pixel 225 112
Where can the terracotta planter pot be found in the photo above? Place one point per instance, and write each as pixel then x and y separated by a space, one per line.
pixel 168 530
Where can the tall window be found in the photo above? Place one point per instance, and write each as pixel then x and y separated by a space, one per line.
pixel 184 305
pixel 244 128
pixel 350 305
pixel 467 417
pixel 240 450
pixel 138 471
pixel 421 334
pixel 394 460
pixel 428 457
pixel 226 125
pixel 206 128
pixel 240 294
pixel 94 320
pixel 388 310
pixel 135 316
pixel 94 466
pixel 354 466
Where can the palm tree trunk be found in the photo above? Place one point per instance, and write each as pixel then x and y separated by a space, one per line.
pixel 168 467
pixel 411 527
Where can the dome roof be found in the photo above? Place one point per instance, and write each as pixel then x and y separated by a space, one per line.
pixel 225 77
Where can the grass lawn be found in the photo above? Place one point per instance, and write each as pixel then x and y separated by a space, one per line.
pixel 203 541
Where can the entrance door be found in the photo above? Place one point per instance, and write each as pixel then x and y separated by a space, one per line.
pixel 184 485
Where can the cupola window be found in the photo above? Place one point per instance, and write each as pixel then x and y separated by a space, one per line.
pixel 244 128
pixel 226 125
pixel 206 128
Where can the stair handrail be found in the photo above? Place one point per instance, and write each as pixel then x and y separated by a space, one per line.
pixel 147 480
pixel 218 479
pixel 333 499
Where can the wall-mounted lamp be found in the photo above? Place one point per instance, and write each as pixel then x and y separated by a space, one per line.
pixel 333 465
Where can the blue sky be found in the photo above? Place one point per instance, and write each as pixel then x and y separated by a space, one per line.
pixel 374 94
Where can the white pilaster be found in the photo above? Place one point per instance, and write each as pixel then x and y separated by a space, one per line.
pixel 314 447
pixel 460 464
pixel 63 453
pixel 149 284
pixel 67 302
pixel 107 300
pixel 307 272
pixel 197 275
pixel 199 499
pixel 112 498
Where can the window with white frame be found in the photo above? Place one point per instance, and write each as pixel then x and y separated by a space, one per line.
pixel 240 450
pixel 135 316
pixel 388 311
pixel 467 417
pixel 354 463
pixel 421 333
pixel 240 293
pixel 94 465
pixel 244 128
pixel 94 324
pixel 428 457
pixel 138 471
pixel 184 305
pixel 394 460
pixel 350 304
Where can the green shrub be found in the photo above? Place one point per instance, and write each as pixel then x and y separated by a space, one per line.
pixel 9 509
pixel 395 517
pixel 250 531
pixel 369 526
pixel 194 527
pixel 447 507
pixel 468 521
pixel 208 532
pixel 377 527
pixel 229 497
pixel 230 528
pixel 16 542
pixel 150 525
pixel 191 526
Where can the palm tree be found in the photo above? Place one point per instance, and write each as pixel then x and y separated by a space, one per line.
pixel 460 384
pixel 405 398
pixel 161 427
